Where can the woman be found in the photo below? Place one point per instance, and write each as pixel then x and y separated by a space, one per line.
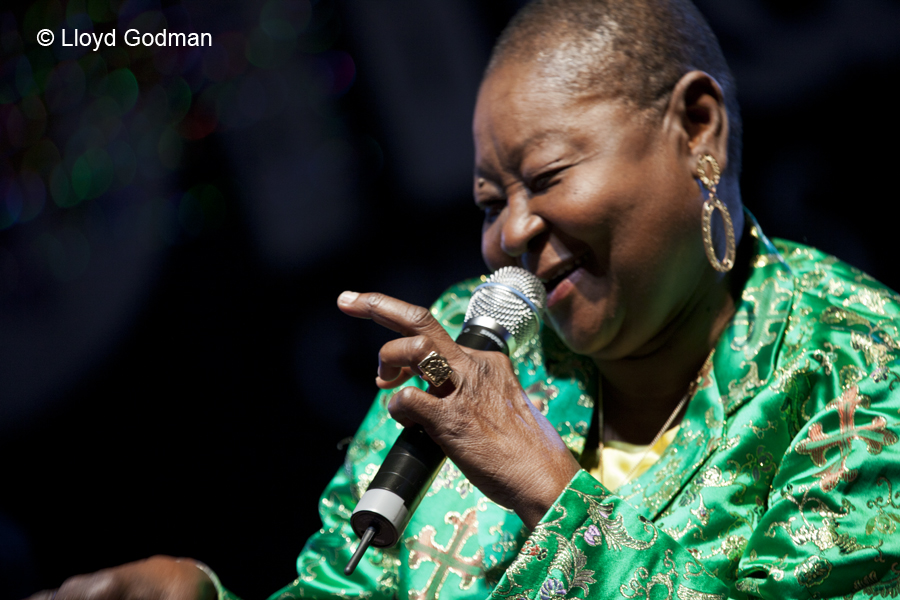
pixel 606 138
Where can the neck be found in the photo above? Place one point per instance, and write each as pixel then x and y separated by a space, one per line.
pixel 641 392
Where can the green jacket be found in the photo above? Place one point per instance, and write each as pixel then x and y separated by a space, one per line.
pixel 779 483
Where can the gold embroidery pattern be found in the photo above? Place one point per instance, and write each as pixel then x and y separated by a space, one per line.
pixel 532 550
pixel 740 389
pixel 889 588
pixel 612 530
pixel 871 298
pixel 669 483
pixel 813 571
pixel 689 594
pixel 447 559
pixel 761 323
pixel 884 522
pixel 642 583
pixel 448 474
pixel 875 435
pixel 570 562
pixel 824 536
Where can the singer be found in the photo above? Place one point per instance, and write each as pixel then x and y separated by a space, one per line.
pixel 705 414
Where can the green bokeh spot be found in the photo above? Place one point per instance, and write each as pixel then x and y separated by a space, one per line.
pixel 260 49
pixel 40 15
pixel 25 83
pixel 202 210
pixel 59 188
pixel 81 177
pixel 75 8
pixel 122 87
pixel 102 171
pixel 179 94
pixel 284 20
pixel 92 174
pixel 99 11
pixel 170 148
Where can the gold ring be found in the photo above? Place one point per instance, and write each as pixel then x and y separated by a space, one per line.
pixel 435 369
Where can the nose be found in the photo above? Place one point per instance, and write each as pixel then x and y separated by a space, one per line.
pixel 521 228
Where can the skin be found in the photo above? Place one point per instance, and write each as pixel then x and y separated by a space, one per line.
pixel 564 179
pixel 560 179
pixel 155 578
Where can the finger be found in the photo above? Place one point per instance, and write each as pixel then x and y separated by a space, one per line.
pixel 402 317
pixel 101 585
pixel 388 384
pixel 403 352
pixel 411 406
pixel 42 595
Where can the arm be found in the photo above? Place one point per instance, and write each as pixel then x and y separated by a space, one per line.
pixel 158 577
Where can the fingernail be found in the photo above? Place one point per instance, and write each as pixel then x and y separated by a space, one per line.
pixel 347 298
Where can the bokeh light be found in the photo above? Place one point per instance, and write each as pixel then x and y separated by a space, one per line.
pixel 79 123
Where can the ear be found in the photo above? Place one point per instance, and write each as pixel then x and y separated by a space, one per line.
pixel 697 112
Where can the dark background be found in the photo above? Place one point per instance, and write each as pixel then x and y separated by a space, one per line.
pixel 175 225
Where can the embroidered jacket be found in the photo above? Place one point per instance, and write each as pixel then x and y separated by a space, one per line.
pixel 778 485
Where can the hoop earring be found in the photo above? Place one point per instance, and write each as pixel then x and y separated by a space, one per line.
pixel 710 180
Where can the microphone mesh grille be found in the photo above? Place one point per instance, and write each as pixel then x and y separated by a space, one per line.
pixel 508 309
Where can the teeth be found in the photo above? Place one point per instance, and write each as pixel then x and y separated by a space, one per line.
pixel 563 269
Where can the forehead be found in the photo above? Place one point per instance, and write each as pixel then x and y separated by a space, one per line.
pixel 519 108
pixel 523 88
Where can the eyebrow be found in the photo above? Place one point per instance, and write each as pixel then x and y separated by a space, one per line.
pixel 518 152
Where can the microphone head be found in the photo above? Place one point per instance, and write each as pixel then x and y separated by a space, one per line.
pixel 515 299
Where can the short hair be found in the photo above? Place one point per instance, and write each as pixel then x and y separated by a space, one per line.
pixel 633 50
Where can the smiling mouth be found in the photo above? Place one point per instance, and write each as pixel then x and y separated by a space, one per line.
pixel 560 273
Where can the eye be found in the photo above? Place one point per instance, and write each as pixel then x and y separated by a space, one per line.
pixel 545 180
pixel 491 209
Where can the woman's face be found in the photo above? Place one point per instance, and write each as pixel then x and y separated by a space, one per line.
pixel 596 199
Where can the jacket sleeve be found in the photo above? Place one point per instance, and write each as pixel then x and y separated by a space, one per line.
pixel 833 508
pixel 592 544
pixel 826 527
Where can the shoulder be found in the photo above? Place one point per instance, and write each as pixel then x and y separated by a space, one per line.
pixel 843 327
pixel 832 298
pixel 819 274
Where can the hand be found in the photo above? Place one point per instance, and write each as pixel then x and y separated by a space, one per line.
pixel 156 578
pixel 481 417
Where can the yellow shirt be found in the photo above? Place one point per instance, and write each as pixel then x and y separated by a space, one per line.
pixel 620 458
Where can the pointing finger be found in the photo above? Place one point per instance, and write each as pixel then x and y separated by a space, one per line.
pixel 402 317
pixel 396 315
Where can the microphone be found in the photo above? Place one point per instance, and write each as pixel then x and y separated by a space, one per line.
pixel 504 313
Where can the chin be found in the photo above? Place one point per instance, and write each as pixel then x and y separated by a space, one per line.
pixel 584 341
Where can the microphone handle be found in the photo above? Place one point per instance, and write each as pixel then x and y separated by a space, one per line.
pixel 409 468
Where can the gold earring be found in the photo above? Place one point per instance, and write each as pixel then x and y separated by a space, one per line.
pixel 710 180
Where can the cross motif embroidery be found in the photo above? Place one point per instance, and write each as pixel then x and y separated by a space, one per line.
pixel 447 558
pixel 875 435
